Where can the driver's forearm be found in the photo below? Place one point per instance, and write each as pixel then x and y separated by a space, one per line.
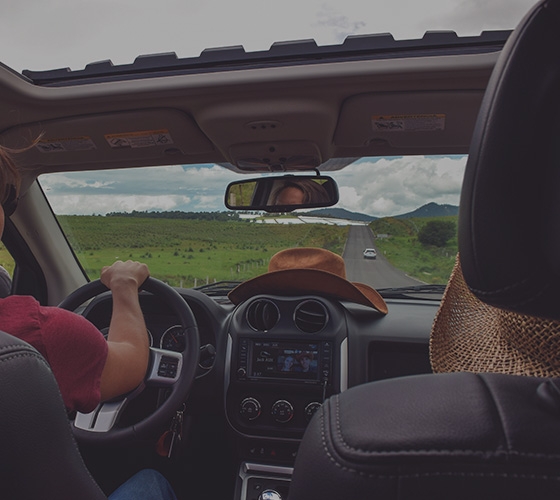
pixel 127 321
pixel 127 358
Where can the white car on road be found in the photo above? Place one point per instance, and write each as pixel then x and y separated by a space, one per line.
pixel 370 253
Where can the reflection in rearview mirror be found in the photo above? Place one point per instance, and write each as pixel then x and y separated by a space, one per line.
pixel 240 194
pixel 282 194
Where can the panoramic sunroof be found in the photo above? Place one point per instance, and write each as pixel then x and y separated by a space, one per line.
pixel 281 53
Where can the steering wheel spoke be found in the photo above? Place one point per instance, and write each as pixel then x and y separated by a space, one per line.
pixel 165 367
pixel 103 418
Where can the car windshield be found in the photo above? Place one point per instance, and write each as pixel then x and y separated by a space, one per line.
pixel 174 219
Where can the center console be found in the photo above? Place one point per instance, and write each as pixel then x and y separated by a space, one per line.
pixel 279 384
pixel 280 370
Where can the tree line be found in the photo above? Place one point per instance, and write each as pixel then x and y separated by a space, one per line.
pixel 177 214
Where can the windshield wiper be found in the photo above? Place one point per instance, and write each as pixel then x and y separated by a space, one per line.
pixel 220 288
pixel 408 291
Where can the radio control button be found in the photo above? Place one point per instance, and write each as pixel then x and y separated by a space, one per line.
pixel 282 411
pixel 250 409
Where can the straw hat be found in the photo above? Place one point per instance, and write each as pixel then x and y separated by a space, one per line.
pixel 469 335
pixel 308 271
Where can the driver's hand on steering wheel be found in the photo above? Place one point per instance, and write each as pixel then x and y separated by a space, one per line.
pixel 122 273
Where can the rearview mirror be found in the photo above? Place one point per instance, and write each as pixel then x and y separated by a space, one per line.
pixel 282 194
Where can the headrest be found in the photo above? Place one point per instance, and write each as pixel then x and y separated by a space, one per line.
pixel 509 215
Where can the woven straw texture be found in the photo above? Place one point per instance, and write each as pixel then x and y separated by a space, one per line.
pixel 469 335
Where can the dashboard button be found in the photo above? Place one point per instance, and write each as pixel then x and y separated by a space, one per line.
pixel 282 411
pixel 250 409
pixel 310 410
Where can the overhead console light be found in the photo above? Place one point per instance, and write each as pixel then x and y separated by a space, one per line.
pixel 291 164
pixel 280 156
pixel 330 165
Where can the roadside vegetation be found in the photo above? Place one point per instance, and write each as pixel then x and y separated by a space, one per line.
pixel 6 260
pixel 432 261
pixel 437 233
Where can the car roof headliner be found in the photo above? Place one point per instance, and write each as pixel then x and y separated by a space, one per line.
pixel 252 112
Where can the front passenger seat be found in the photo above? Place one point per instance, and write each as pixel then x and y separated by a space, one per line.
pixel 468 434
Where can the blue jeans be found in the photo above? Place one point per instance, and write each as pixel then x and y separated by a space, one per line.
pixel 147 484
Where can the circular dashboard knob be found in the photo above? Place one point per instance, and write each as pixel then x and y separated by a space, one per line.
pixel 270 495
pixel 310 409
pixel 282 411
pixel 250 409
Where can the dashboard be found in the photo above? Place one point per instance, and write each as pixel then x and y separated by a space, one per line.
pixel 267 365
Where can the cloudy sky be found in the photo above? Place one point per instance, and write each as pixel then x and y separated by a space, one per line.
pixel 50 34
pixel 378 187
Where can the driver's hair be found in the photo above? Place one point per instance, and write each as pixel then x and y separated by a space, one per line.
pixel 9 175
pixel 313 192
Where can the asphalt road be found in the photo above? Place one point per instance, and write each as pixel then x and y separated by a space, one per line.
pixel 377 273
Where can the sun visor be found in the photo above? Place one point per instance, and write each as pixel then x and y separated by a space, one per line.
pixel 414 121
pixel 115 139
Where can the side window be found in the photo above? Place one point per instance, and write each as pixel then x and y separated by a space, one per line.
pixel 7 265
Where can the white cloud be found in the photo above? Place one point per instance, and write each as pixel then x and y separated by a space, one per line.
pixel 88 204
pixel 199 188
pixel 474 16
pixel 391 186
pixel 62 182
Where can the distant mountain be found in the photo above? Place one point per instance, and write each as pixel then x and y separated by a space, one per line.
pixel 431 210
pixel 340 213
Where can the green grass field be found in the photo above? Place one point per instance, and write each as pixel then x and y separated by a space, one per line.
pixel 6 260
pixel 191 252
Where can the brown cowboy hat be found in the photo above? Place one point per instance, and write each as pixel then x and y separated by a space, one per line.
pixel 308 271
pixel 469 335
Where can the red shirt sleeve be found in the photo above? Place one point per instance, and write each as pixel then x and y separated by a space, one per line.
pixel 74 348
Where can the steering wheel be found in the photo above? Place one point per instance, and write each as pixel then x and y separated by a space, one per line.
pixel 166 370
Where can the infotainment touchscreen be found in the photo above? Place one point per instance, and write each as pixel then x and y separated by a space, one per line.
pixel 286 360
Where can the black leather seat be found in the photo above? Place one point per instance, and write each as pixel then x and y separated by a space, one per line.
pixel 441 436
pixel 466 435
pixel 39 458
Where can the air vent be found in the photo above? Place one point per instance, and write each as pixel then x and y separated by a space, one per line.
pixel 310 316
pixel 262 315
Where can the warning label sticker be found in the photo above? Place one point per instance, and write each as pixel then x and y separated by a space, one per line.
pixel 65 144
pixel 143 139
pixel 408 123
